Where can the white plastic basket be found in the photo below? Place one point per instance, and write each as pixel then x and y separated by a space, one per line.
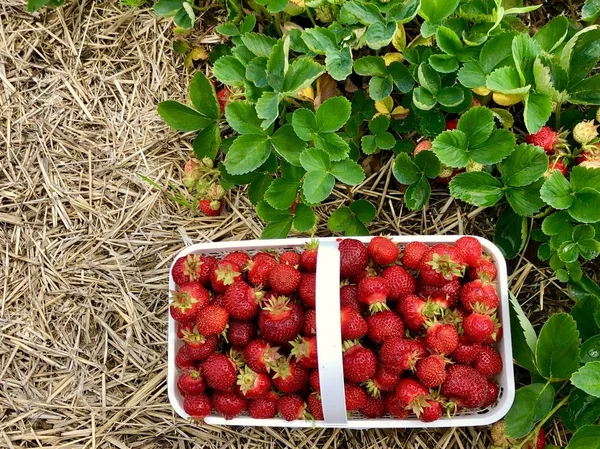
pixel 330 345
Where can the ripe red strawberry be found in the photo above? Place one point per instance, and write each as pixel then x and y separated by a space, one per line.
pixel 259 268
pixel 305 351
pixel 496 336
pixel 240 333
pixel 384 325
pixel 451 123
pixel 491 394
pixel 223 98
pixel 356 398
pixel 432 411
pixel 218 299
pixel 465 351
pixel 488 362
pixel 188 302
pixel 228 404
pixel 383 251
pixel 309 329
pixel 315 407
pixel 289 376
pixel 398 354
pixel 483 269
pixel 280 320
pixel 183 360
pixel 187 326
pixel 240 258
pixel 448 292
pixel 291 258
pixel 212 320
pixel 284 279
pixel 197 405
pixel 354 257
pixel 478 327
pixel 367 271
pixel 441 265
pixel 441 338
pixel 393 406
pixel 470 248
pixel 242 301
pixel 374 407
pixel 415 311
pixel 412 255
pixel 383 380
pixel 546 138
pixel 308 258
pixel 191 382
pixel 557 165
pixel 401 282
pixel 224 275
pixel 211 208
pixel 412 395
pixel 261 356
pixel 465 386
pixel 291 407
pixel 479 295
pixel 353 324
pixel 199 346
pixel 252 385
pixel 307 289
pixel 264 407
pixel 349 297
pixel 360 363
pixel 314 381
pixel 193 268
pixel 540 440
pixel 220 372
pixel 431 371
pixel 373 291
pixel 423 145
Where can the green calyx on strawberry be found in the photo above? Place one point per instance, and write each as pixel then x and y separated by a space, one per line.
pixel 277 306
pixel 305 351
pixel 373 291
pixel 253 385
pixel 446 266
pixel 412 395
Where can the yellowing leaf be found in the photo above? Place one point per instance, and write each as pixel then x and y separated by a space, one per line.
pixel 384 106
pixel 199 53
pixel 399 39
pixel 483 91
pixel 306 94
pixel 400 113
pixel 507 99
pixel 392 57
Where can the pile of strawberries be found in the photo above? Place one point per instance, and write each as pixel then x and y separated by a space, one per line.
pixel 419 331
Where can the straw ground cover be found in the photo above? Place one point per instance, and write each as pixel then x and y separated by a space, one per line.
pixel 86 244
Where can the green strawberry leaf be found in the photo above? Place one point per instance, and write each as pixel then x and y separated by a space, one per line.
pixel 582 409
pixel 580 210
pixel 556 191
pixel 434 11
pixel 532 403
pixel 583 312
pixel 428 163
pixel 525 201
pixel 336 147
pixel 282 193
pixel 524 338
pixel 301 74
pixel 207 142
pixel 477 188
pixel 229 70
pixel 405 170
pixel 370 66
pixel 557 350
pixel 583 177
pixel 348 172
pixel 204 97
pixel 340 219
pixel 417 194
pixel 363 210
pixel 525 165
pixel 511 233
pixel 333 114
pixel 247 153
pixel 259 44
pixel 241 117
pixel 538 108
pixel 586 437
pixel 587 379
pixel 181 117
pixel 288 145
pixel 451 148
pixel 317 185
pixel 277 229
pixel 258 187
pixel 304 218
pixel 477 124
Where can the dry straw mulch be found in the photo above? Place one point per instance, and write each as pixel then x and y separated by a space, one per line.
pixel 85 244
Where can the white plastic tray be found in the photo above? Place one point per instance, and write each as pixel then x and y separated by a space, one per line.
pixel 330 345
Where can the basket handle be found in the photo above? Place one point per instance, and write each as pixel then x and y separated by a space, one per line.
pixel 329 334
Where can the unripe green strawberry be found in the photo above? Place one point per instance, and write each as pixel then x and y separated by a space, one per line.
pixel 324 14
pixel 207 162
pixel 445 171
pixel 474 166
pixel 215 191
pixel 192 173
pixel 584 132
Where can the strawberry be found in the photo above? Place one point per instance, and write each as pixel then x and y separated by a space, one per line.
pixel 349 297
pixel 199 346
pixel 446 174
pixel 360 363
pixel 223 98
pixel 191 382
pixel 220 372
pixel 211 208
pixel 240 333
pixel 479 295
pixel 431 371
pixel 412 255
pixel 384 325
pixel 309 329
pixel 308 258
pixel 252 385
pixel 260 356
pixel 242 301
pixel 557 165
pixel 240 258
pixel 367 271
pixel 264 407
pixel 432 411
pixel 470 248
pixel 441 338
pixel 483 269
pixel 353 324
pixel 315 406
pixel 186 326
pixel 383 380
pixel 183 360
pixel 398 354
pixel 305 351
pixel 212 320
pixel 546 138
pixel 540 440
pixel 401 282
pixel 488 362
pixel 198 406
pixel 478 327
pixel 496 336
pixel 374 407
pixel 218 299
pixel 224 275
pixel 284 279
pixel 448 293
pixel 291 258
pixel 307 289
pixel 382 250
pixel 289 376
pixel 465 386
pixel 228 404
pixel 491 394
pixel 415 311
pixel 412 395
pixel 355 396
pixel 465 351
pixel 193 268
pixel 584 132
pixel 451 123
pixel 291 407
pixel 373 291
pixel 259 268
pixel 188 301
pixel 354 257
pixel 423 145
pixel 280 320
pixel 441 265
pixel 393 406
pixel 314 381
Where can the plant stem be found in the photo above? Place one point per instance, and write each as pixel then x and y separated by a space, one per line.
pixel 278 24
pixel 310 16
pixel 558 108
pixel 205 8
